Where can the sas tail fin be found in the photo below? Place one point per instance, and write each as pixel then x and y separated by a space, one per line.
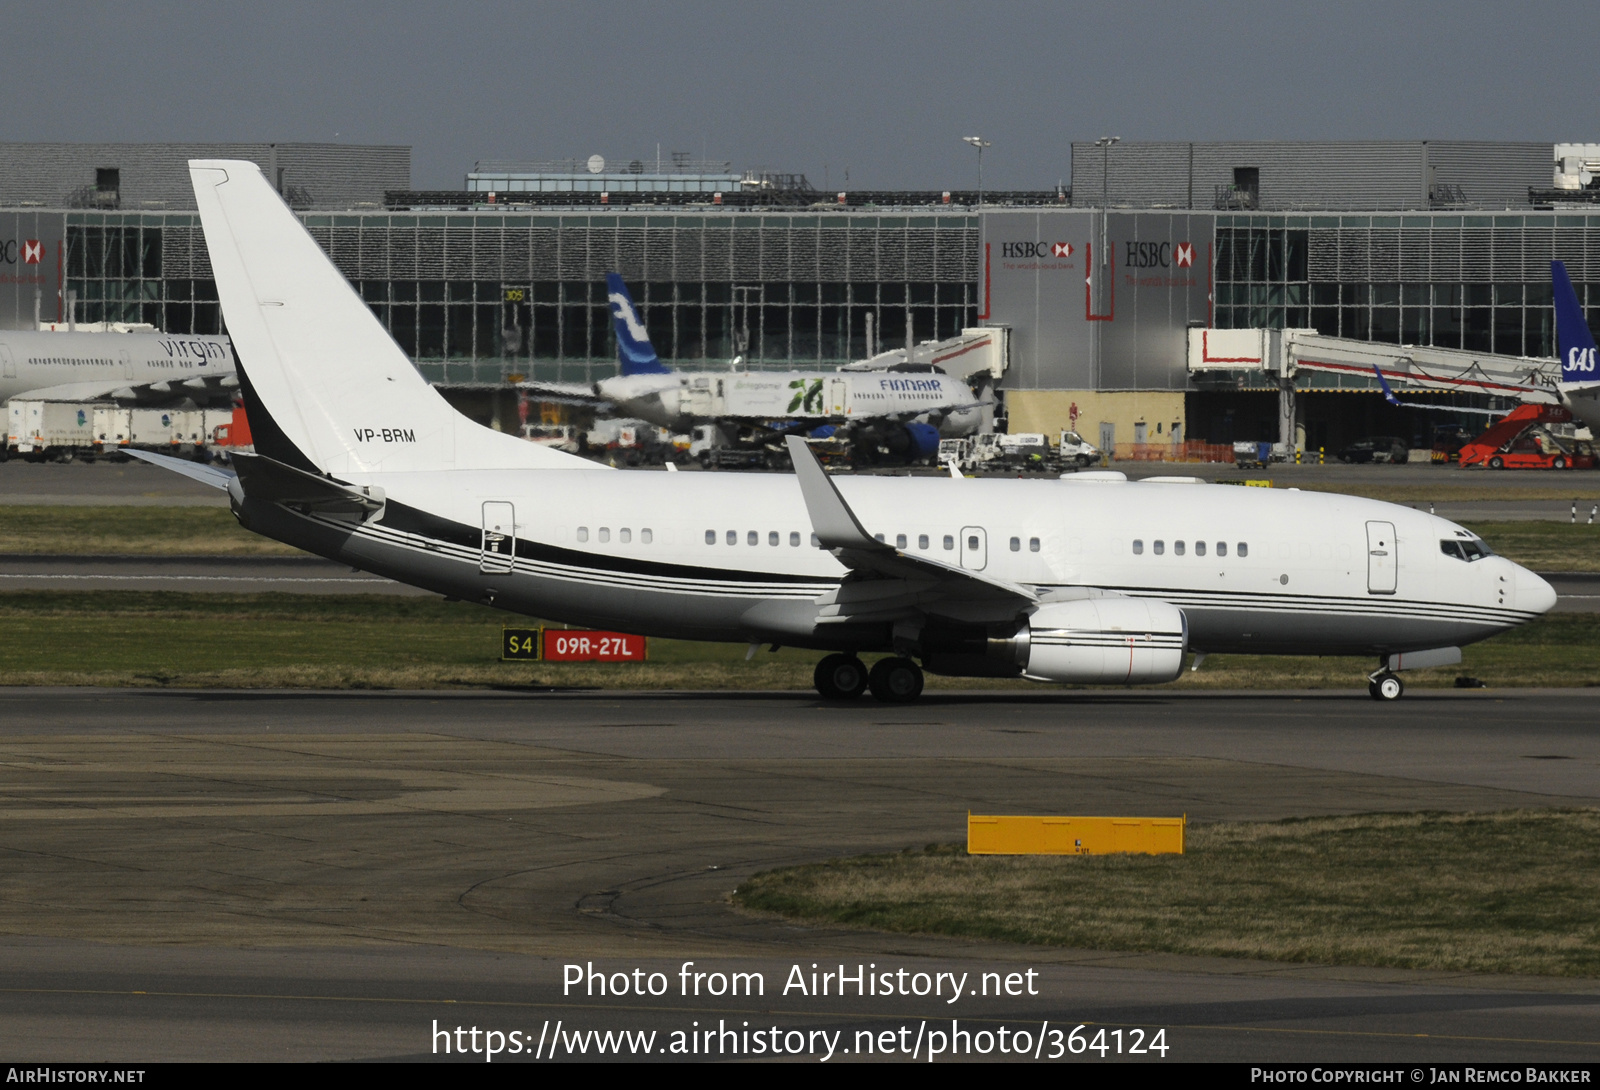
pixel 1573 338
pixel 1388 394
pixel 634 351
pixel 325 386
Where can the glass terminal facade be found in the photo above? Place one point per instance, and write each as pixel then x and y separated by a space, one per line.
pixel 1479 282
pixel 474 298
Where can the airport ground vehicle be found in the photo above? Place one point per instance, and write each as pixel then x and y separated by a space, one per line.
pixel 1376 448
pixel 1524 439
pixel 1088 579
pixel 65 430
pixel 1075 449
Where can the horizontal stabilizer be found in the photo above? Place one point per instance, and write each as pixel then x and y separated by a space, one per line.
pixel 208 475
pixel 264 479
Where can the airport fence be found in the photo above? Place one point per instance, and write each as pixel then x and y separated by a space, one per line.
pixel 1173 452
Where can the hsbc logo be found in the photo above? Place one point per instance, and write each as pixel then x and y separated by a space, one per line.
pixel 29 251
pixel 1159 255
pixel 1015 250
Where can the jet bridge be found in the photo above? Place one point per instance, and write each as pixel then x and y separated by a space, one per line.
pixel 1281 354
pixel 976 355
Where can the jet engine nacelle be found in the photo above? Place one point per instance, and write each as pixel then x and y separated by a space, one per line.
pixel 1103 641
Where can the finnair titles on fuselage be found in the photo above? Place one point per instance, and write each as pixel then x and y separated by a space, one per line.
pixel 1089 579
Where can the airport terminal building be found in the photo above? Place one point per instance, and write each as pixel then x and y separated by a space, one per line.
pixel 1402 242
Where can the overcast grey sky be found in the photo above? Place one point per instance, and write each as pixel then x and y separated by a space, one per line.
pixel 883 91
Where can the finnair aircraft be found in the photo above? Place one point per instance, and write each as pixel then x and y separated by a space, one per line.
pixel 1090 579
pixel 127 366
pixel 926 403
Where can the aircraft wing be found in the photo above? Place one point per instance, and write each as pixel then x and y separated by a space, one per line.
pixel 886 583
pixel 119 388
pixel 565 393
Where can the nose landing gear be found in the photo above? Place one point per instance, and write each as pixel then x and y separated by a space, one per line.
pixel 1385 686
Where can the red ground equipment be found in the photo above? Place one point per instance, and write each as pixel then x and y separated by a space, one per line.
pixel 1522 439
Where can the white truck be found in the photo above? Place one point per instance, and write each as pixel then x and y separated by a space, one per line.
pixel 1075 449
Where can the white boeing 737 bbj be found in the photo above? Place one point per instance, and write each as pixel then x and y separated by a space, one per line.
pixel 1087 579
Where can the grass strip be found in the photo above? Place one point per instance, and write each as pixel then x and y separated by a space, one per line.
pixel 139 638
pixel 131 531
pixel 1509 892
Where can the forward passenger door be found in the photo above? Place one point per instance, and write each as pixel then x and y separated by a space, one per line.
pixel 1382 558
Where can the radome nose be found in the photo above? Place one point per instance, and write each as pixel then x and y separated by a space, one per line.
pixel 1534 594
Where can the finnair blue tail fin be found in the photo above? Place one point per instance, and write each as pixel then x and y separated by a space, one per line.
pixel 634 350
pixel 1573 338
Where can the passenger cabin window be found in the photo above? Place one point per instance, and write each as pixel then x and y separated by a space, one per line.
pixel 711 537
pixel 772 537
pixel 752 538
pixel 624 535
pixel 605 533
pixel 1160 547
pixel 645 537
pixel 1243 550
pixel 949 542
pixel 879 537
pixel 1199 548
pixel 1033 544
pixel 1177 548
pixel 1138 547
pixel 1016 544
pixel 733 537
pixel 922 541
pixel 899 541
pixel 794 539
pixel 1222 548
pixel 583 533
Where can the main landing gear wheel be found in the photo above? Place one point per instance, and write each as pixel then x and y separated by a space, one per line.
pixel 895 681
pixel 840 677
pixel 1386 687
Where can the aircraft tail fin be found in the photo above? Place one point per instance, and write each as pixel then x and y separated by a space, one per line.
pixel 1573 337
pixel 634 351
pixel 325 386
pixel 1388 394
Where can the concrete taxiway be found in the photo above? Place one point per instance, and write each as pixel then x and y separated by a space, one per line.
pixel 324 875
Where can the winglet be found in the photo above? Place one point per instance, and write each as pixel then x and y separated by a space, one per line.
pixel 836 526
pixel 635 353
pixel 1388 394
pixel 1573 338
pixel 210 475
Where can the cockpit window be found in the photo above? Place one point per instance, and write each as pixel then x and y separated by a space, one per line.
pixel 1469 550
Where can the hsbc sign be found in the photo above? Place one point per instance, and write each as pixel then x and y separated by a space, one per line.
pixel 1159 255
pixel 1013 251
pixel 27 251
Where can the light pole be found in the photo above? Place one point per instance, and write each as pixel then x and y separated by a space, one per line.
pixel 980 143
pixel 1104 144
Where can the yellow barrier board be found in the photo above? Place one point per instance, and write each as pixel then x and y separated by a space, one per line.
pixel 991 834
